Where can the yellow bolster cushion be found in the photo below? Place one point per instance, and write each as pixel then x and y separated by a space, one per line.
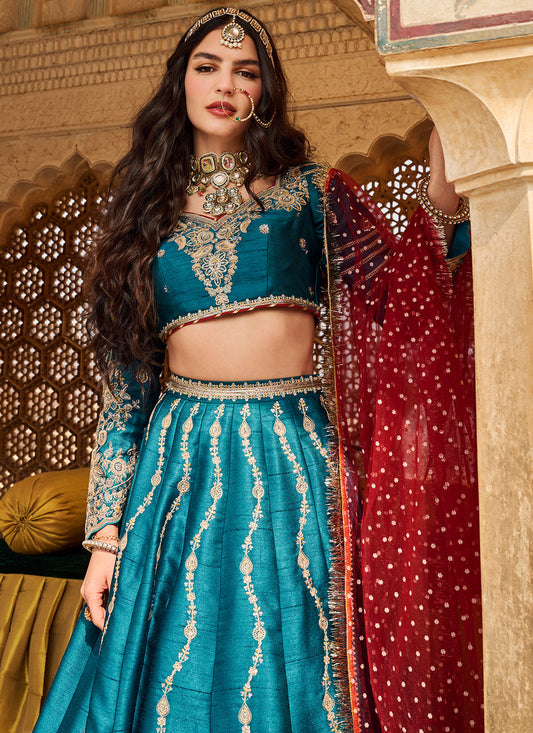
pixel 46 512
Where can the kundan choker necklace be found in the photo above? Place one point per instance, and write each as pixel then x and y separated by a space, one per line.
pixel 226 173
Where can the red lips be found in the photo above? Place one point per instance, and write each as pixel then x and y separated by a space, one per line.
pixel 217 106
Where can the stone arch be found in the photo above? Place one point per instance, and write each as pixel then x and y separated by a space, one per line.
pixel 387 149
pixel 46 184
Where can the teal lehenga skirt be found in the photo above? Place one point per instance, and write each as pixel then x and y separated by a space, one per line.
pixel 218 612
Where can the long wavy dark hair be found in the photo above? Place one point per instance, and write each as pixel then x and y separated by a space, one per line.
pixel 148 194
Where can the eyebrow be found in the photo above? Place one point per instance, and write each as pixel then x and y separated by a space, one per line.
pixel 214 57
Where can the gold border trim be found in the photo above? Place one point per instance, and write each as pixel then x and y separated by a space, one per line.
pixel 244 390
pixel 339 590
pixel 238 306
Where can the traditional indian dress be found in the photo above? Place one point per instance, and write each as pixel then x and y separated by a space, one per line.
pixel 299 554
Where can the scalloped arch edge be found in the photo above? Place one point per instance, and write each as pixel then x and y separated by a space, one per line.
pixel 45 186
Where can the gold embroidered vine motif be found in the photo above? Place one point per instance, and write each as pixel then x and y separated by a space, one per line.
pixel 212 252
pixel 191 564
pixel 309 427
pixel 246 567
pixel 118 404
pixel 182 487
pixel 154 481
pixel 302 487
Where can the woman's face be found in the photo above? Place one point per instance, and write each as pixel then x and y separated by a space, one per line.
pixel 213 73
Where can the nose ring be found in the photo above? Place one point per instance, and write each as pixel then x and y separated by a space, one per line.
pixel 239 119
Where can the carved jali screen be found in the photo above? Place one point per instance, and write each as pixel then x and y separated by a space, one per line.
pixel 48 390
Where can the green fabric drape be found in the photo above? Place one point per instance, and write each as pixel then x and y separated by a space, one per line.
pixel 37 615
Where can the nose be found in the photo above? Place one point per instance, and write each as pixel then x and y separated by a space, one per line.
pixel 225 83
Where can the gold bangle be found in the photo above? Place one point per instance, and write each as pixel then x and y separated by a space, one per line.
pixel 462 213
pixel 91 545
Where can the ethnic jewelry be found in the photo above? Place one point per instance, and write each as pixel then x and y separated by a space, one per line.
pixel 462 213
pixel 252 107
pixel 226 173
pixel 87 614
pixel 252 110
pixel 233 33
pixel 100 545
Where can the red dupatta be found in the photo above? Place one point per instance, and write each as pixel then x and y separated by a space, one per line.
pixel 403 404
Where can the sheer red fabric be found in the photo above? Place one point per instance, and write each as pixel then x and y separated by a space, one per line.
pixel 402 331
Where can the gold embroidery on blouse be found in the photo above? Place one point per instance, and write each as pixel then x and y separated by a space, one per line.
pixel 212 253
pixel 239 306
pixel 246 567
pixel 319 177
pixel 191 564
pixel 302 487
pixel 212 245
pixel 292 196
pixel 155 481
pixel 111 470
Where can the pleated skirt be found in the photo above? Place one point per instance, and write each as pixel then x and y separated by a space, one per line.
pixel 218 616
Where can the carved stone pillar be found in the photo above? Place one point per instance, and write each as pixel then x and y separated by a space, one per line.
pixel 481 99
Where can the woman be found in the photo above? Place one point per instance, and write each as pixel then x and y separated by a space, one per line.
pixel 212 553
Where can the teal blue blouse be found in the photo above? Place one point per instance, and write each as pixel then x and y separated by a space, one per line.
pixel 250 259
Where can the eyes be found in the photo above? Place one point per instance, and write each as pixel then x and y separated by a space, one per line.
pixel 244 73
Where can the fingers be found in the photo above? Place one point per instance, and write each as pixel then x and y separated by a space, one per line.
pixel 95 614
pixel 95 587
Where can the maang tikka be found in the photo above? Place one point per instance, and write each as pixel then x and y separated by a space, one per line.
pixel 232 34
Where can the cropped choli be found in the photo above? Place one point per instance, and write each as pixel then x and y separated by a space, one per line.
pixel 250 259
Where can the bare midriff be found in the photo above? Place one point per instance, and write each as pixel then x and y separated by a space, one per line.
pixel 262 344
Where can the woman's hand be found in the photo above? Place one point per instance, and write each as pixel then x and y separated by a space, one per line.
pixel 96 584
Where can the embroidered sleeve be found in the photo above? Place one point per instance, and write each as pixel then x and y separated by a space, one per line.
pixel 459 246
pixel 127 404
